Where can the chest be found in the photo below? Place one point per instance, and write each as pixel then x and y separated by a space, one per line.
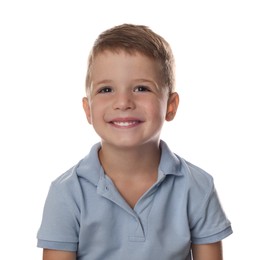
pixel 153 223
pixel 132 191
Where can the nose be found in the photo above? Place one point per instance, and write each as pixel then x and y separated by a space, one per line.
pixel 123 101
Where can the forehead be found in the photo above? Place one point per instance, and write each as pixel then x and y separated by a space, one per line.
pixel 121 53
pixel 112 62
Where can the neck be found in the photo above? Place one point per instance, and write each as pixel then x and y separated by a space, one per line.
pixel 130 162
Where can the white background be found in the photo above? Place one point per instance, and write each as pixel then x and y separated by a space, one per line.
pixel 220 126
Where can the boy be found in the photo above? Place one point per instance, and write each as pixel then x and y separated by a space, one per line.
pixel 131 197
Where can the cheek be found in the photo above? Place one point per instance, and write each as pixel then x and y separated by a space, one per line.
pixel 96 112
pixel 157 111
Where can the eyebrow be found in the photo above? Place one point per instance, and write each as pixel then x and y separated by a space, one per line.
pixel 105 81
pixel 135 81
pixel 147 81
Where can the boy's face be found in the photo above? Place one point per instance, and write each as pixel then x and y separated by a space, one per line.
pixel 126 103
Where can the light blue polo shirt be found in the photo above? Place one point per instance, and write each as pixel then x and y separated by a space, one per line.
pixel 84 212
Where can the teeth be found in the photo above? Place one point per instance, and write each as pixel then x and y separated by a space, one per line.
pixel 125 123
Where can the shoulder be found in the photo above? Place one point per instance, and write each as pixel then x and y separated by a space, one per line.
pixel 66 181
pixel 66 192
pixel 196 176
pixel 198 185
pixel 195 187
pixel 87 169
pixel 186 172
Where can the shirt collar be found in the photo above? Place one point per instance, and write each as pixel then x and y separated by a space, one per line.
pixel 170 163
pixel 90 167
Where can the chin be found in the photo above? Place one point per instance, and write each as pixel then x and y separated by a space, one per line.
pixel 130 143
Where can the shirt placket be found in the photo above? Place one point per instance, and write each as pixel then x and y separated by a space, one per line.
pixel 138 217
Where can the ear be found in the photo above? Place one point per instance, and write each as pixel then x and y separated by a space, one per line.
pixel 172 106
pixel 87 110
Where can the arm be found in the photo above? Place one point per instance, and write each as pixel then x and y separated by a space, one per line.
pixel 49 254
pixel 207 251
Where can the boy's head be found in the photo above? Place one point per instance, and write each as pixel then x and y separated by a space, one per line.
pixel 136 38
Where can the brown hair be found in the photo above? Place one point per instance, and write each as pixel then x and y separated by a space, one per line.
pixel 136 38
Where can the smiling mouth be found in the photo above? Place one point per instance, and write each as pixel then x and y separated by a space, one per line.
pixel 125 123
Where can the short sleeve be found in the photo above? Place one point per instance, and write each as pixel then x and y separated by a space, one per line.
pixel 211 224
pixel 60 224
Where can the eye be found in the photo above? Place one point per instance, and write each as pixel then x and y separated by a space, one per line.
pixel 141 89
pixel 104 90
